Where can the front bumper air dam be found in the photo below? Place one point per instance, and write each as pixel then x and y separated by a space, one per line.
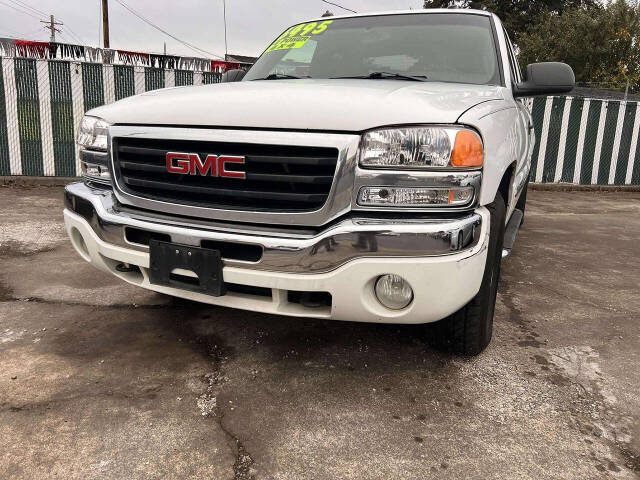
pixel 442 283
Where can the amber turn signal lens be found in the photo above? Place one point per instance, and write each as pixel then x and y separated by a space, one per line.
pixel 467 151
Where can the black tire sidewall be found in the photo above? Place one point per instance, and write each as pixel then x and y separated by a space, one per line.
pixel 489 287
pixel 469 330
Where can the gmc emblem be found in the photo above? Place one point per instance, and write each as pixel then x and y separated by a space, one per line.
pixel 213 165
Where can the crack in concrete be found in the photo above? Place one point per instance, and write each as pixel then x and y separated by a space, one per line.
pixel 243 465
pixel 212 348
pixel 218 354
pixel 632 459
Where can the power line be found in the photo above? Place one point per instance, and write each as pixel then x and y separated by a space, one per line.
pixel 20 36
pixel 64 37
pixel 25 6
pixel 185 43
pixel 339 6
pixel 28 7
pixel 74 35
pixel 13 32
pixel 18 10
pixel 34 32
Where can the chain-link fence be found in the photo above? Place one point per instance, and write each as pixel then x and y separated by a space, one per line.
pixel 586 141
pixel 42 102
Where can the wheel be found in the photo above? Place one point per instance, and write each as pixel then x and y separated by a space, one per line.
pixel 468 331
pixel 522 201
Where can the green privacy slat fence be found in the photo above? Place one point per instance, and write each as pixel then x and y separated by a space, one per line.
pixel 5 166
pixel 28 106
pixel 553 142
pixel 42 102
pixel 537 113
pixel 594 124
pixel 585 141
pixel 635 166
pixel 184 77
pixel 62 118
pixel 210 77
pixel 92 85
pixel 123 78
pixel 625 143
pixel 572 134
pixel 153 78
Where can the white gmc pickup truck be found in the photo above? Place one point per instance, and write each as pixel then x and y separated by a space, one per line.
pixel 369 168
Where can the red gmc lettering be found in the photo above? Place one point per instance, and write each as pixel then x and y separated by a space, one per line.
pixel 223 172
pixel 213 165
pixel 198 167
pixel 182 164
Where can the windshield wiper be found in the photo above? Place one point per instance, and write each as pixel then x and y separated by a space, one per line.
pixel 277 76
pixel 389 75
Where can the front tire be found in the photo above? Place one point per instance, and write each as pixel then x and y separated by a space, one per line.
pixel 522 201
pixel 469 330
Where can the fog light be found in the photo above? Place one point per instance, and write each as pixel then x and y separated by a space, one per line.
pixel 95 172
pixel 393 292
pixel 414 196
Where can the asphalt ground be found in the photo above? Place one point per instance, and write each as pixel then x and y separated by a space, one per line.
pixel 103 380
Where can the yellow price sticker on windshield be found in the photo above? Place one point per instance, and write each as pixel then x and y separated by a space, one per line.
pixel 297 36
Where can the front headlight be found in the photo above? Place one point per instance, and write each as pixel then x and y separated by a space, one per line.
pixel 421 148
pixel 92 133
pixel 92 149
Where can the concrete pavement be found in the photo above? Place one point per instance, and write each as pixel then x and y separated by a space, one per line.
pixel 100 379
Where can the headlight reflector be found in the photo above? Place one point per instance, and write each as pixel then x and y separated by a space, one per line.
pixel 92 133
pixel 414 196
pixel 92 143
pixel 421 147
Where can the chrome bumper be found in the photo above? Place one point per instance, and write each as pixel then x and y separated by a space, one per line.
pixel 287 250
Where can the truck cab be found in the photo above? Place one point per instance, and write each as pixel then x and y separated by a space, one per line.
pixel 368 168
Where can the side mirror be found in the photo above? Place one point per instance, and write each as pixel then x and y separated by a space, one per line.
pixel 233 76
pixel 545 78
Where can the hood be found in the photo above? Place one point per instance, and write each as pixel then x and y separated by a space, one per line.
pixel 349 105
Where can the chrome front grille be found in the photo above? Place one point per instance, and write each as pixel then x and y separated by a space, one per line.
pixel 293 178
pixel 277 177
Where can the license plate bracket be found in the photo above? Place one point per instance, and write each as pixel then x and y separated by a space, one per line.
pixel 166 257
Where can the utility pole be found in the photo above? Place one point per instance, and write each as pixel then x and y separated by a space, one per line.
pixel 51 26
pixel 224 9
pixel 105 22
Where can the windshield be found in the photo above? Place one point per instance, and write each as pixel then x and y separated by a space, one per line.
pixel 437 47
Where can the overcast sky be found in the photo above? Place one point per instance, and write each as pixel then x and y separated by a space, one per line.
pixel 252 24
